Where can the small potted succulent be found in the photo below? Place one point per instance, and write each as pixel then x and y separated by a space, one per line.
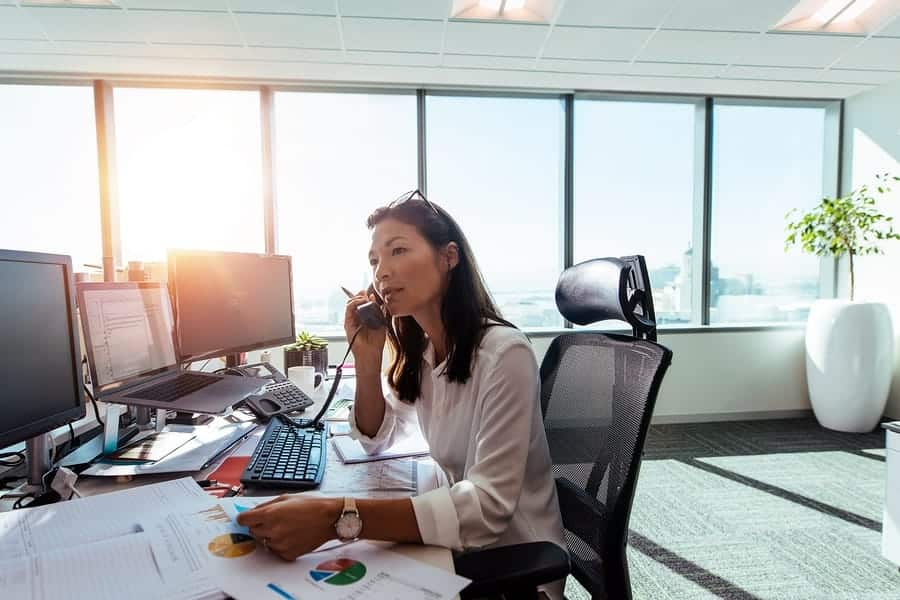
pixel 308 350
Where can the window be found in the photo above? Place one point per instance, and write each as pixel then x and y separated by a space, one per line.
pixel 189 167
pixel 338 156
pixel 495 164
pixel 50 189
pixel 766 161
pixel 635 189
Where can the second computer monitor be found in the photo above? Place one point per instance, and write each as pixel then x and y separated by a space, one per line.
pixel 229 302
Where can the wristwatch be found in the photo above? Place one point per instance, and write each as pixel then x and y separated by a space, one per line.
pixel 349 525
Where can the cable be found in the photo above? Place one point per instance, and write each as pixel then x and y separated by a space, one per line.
pixel 96 410
pixel 19 456
pixel 71 436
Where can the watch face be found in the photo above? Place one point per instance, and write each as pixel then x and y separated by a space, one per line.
pixel 349 526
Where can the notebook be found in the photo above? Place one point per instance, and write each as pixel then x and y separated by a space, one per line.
pixel 351 451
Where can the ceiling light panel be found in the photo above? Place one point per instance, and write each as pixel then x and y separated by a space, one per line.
pixel 839 16
pixel 532 11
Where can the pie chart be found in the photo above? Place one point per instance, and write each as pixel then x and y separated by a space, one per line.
pixel 340 571
pixel 231 545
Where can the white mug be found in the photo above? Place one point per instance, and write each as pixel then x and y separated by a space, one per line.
pixel 306 378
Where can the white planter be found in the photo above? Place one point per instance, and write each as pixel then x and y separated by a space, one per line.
pixel 849 361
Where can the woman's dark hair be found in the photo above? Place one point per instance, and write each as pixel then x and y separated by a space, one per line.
pixel 466 307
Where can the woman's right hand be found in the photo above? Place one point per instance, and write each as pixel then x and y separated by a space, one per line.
pixel 369 345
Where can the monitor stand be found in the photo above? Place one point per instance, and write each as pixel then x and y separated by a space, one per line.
pixel 37 453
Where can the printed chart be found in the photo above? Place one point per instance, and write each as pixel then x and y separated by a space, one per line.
pixel 339 571
pixel 232 545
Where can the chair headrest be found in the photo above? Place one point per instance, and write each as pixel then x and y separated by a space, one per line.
pixel 608 288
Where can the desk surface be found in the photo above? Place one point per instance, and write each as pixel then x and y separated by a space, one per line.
pixel 349 474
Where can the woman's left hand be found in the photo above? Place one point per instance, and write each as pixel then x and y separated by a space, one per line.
pixel 291 526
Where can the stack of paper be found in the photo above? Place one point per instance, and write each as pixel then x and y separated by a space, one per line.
pixel 96 547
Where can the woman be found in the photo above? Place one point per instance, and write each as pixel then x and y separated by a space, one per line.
pixel 462 374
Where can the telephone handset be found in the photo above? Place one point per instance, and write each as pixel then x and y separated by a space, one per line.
pixel 371 313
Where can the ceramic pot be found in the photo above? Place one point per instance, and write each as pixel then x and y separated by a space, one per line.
pixel 849 363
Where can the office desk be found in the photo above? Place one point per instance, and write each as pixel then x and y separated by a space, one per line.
pixel 436 556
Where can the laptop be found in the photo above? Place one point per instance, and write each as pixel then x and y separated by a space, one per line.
pixel 129 334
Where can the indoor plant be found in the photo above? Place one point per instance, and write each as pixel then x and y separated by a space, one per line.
pixel 849 344
pixel 309 350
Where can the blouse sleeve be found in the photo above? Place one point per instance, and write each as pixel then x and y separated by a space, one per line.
pixel 475 511
pixel 400 421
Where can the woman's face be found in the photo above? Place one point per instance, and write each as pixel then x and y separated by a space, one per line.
pixel 408 273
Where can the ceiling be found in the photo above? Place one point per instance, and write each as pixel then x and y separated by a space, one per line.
pixel 670 46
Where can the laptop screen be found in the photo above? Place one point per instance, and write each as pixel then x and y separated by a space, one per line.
pixel 129 330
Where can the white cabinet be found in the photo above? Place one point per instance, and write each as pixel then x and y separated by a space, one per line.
pixel 890 530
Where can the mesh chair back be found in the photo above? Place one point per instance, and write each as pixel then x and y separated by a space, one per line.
pixel 598 392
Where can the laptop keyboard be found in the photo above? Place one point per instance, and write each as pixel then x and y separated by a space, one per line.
pixel 175 388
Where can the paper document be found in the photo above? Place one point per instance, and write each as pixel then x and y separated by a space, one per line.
pixel 97 548
pixel 211 546
pixel 113 569
pixel 198 453
pixel 351 451
pixel 31 531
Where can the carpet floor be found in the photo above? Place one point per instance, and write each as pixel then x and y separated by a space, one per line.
pixel 777 509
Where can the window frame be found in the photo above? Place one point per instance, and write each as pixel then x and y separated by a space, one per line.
pixel 704 105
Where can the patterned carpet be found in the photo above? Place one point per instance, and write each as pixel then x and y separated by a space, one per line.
pixel 778 509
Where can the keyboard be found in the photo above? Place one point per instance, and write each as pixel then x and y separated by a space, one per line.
pixel 288 395
pixel 175 388
pixel 287 456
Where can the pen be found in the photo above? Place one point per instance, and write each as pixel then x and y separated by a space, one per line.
pixel 348 292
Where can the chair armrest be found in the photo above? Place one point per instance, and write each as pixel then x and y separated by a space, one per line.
pixel 516 567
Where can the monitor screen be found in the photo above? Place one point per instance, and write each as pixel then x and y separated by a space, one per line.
pixel 128 329
pixel 41 366
pixel 227 302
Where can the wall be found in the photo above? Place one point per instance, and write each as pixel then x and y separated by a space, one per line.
pixel 717 375
pixel 872 145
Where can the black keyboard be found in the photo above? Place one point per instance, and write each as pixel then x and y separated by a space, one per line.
pixel 175 388
pixel 287 456
pixel 288 395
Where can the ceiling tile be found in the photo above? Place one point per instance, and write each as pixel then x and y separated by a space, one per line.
pixel 874 53
pixel 295 54
pixel 503 39
pixel 298 31
pixel 605 44
pixel 299 7
pixel 853 76
pixel 407 59
pixel 634 13
pixel 185 27
pixel 892 28
pixel 676 69
pixel 471 61
pixel 16 24
pixel 392 34
pixel 728 15
pixel 396 9
pixel 7 2
pixel 599 67
pixel 25 46
pixel 771 73
pixel 87 24
pixel 697 46
pixel 796 50
pixel 213 5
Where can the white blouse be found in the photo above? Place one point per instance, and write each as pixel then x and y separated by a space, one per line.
pixel 488 437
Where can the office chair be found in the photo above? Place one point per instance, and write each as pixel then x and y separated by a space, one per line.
pixel 598 391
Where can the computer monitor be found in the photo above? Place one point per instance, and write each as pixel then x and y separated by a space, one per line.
pixel 41 366
pixel 230 302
